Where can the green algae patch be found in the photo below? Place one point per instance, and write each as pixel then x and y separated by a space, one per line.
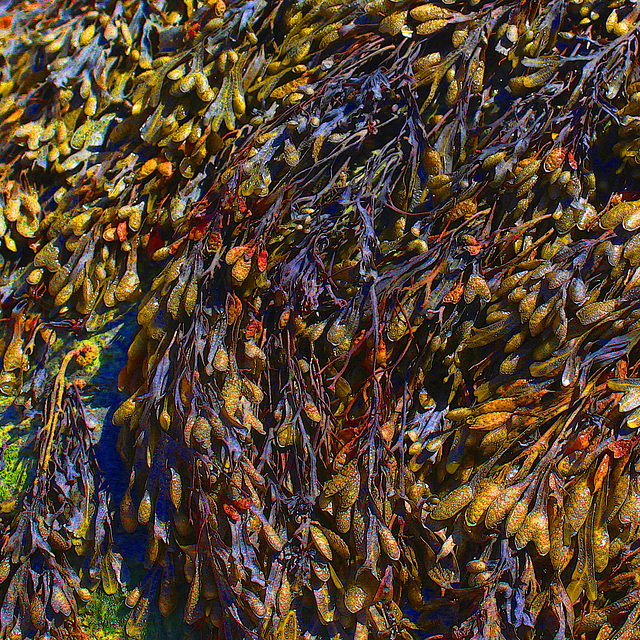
pixel 16 461
pixel 14 474
pixel 105 616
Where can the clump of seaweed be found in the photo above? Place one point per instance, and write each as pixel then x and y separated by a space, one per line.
pixel 388 345
pixel 65 509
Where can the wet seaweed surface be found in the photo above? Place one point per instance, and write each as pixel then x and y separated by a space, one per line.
pixel 375 269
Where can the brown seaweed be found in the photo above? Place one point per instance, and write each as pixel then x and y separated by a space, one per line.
pixel 384 261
